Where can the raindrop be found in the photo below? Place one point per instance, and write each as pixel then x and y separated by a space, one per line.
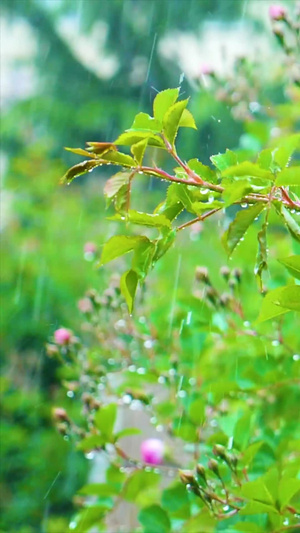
pixel 275 343
pixel 111 361
pixel 188 318
pixel 161 380
pixel 192 381
pixel 142 320
pixel 70 394
pixel 172 372
pixel 127 399
pixel 141 371
pixel 204 191
pixel 246 324
pixel 226 508
pixel 230 443
pixel 148 344
pixel 159 428
pixel 72 525
pixel 244 205
pixel 153 420
pixel 219 120
pixel 90 455
pixel 120 323
pixel 296 357
pixel 135 405
pixel 254 107
pixel 181 394
pixel 66 437
pixel 132 368
pixel 156 470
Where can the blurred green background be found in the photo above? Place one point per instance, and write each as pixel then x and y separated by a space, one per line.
pixel 73 71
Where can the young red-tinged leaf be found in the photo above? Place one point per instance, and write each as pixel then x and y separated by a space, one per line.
pixel 262 254
pixel 143 219
pixel 291 224
pixel 114 184
pixel 105 419
pixel 100 148
pixel 240 225
pixel 249 169
pixel 223 161
pixel 78 170
pixel 163 101
pixel 171 120
pixel 187 120
pixel 288 177
pixel 143 121
pixel 138 150
pixel 292 264
pixel 128 286
pixel 119 245
pixel 80 151
pixel 131 137
pixel 154 519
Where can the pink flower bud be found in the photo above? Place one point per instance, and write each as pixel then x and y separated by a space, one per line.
pixel 85 305
pixel 90 248
pixel 152 451
pixel 62 336
pixel 206 69
pixel 277 12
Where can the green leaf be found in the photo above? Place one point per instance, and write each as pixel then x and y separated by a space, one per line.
pixel 203 171
pixel 287 489
pixel 269 308
pixel 240 225
pixel 187 120
pixel 291 224
pixel 97 489
pixel 143 121
pixel 115 183
pixel 117 158
pixel 131 137
pixel 80 151
pixel 286 149
pixel 128 432
pixel 154 519
pixel 105 419
pixel 250 452
pixel 91 442
pixel 292 264
pixel 174 497
pixel 200 207
pixel 265 159
pixel 144 219
pixel 254 507
pixel 163 244
pixel 249 169
pixel 196 412
pixel 247 527
pixel 128 286
pixel 288 177
pixel 119 245
pixel 163 101
pixel 223 161
pixel 203 522
pixel 242 431
pixel 100 148
pixel 139 481
pixel 171 120
pixel 138 150
pixel 262 254
pixel 142 258
pixel 234 191
pixel 289 297
pixel 79 169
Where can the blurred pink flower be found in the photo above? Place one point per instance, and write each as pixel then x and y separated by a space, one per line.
pixel 152 451
pixel 206 69
pixel 62 336
pixel 90 248
pixel 85 305
pixel 277 12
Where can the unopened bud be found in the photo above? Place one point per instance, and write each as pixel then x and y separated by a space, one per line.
pixel 60 414
pixel 237 274
pixel 51 350
pixel 219 451
pixel 201 274
pixel 213 465
pixel 225 272
pixel 225 299
pixel 201 472
pixel 277 12
pixel 187 477
pixel 211 295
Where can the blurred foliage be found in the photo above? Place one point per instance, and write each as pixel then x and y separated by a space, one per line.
pixel 44 270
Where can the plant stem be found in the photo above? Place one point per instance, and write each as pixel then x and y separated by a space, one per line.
pixel 197 219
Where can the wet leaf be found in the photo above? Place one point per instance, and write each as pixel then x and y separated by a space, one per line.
pixel 143 121
pixel 172 119
pixel 117 158
pixel 80 151
pixel 249 169
pixel 187 120
pixel 291 224
pixel 163 101
pixel 154 519
pixel 114 184
pixel 240 225
pixel 262 254
pixel 292 264
pixel 144 219
pixel 288 177
pixel 131 137
pixel 100 148
pixel 119 245
pixel 138 150
pixel 223 161
pixel 105 419
pixel 128 286
pixel 79 169
pixel 203 171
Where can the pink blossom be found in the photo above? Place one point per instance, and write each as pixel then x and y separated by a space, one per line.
pixel 206 69
pixel 85 305
pixel 152 451
pixel 62 336
pixel 277 12
pixel 90 248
